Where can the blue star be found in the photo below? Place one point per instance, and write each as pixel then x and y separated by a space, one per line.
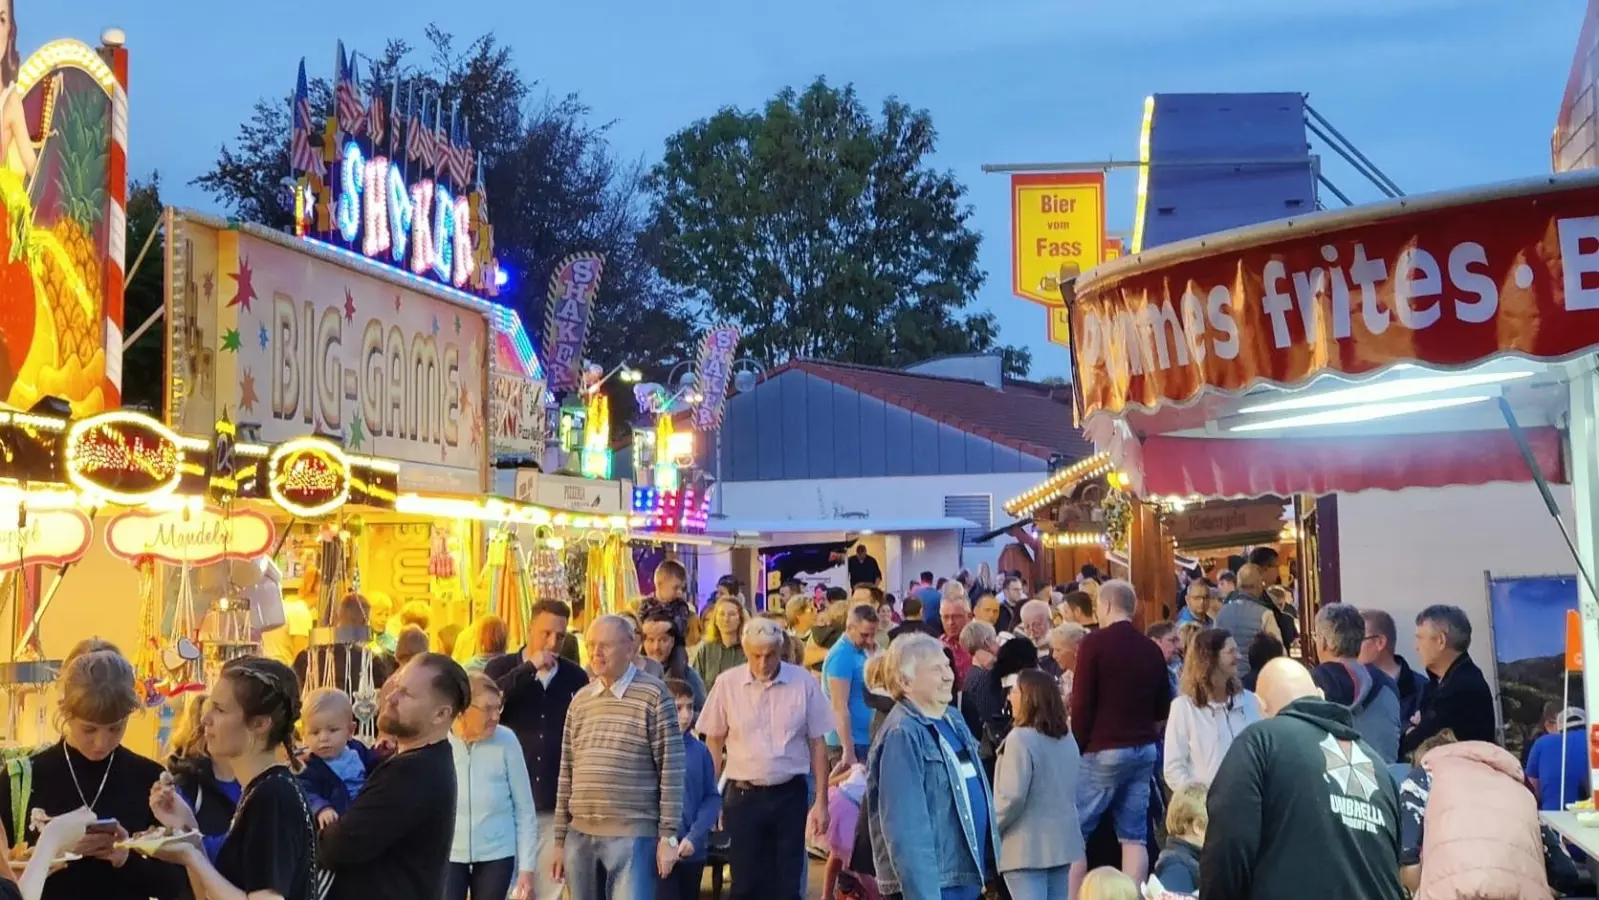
pixel 263 336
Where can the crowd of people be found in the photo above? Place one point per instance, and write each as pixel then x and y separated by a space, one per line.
pixel 969 737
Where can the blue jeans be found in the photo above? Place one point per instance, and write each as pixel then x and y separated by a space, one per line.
pixel 1117 781
pixel 1039 884
pixel 610 868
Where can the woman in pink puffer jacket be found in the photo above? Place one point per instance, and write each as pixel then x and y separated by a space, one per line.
pixel 1481 840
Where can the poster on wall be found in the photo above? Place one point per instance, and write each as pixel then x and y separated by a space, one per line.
pixel 1529 649
pixel 318 348
pixel 63 184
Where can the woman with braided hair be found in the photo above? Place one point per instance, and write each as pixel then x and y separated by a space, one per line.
pixel 270 850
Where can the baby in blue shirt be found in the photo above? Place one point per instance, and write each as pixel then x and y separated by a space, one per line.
pixel 336 764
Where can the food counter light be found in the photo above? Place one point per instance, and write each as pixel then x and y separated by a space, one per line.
pixel 504 512
pixel 1386 391
pixel 1366 412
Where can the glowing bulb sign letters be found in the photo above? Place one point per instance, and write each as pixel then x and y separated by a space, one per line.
pixel 420 226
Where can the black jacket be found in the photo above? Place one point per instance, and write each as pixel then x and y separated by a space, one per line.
pixel 1461 702
pixel 323 787
pixel 394 840
pixel 537 715
pixel 197 782
pixel 1412 688
pixel 1302 808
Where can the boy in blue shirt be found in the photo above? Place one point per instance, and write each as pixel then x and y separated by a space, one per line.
pixel 702 804
pixel 336 764
pixel 1564 732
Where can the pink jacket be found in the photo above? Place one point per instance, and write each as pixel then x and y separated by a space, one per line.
pixel 1481 838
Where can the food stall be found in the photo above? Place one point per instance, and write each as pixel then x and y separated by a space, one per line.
pixel 1428 341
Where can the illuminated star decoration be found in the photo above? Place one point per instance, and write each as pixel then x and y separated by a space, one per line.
pixel 247 395
pixel 1349 767
pixel 435 326
pixel 357 432
pixel 349 306
pixel 230 340
pixel 264 337
pixel 246 293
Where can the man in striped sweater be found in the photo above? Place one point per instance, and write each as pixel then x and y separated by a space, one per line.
pixel 620 797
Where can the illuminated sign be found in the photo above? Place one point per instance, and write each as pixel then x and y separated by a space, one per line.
pixel 1057 224
pixel 52 537
pixel 672 510
pixel 597 437
pixel 390 371
pixel 396 182
pixel 124 458
pixel 194 537
pixel 308 477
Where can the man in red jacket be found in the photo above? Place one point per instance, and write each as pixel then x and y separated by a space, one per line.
pixel 1120 695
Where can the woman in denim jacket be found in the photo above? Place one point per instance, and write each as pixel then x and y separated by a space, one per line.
pixel 928 806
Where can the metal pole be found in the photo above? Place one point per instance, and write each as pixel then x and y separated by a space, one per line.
pixel 133 338
pixel 1311 111
pixel 1371 176
pixel 1322 179
pixel 149 241
pixel 1543 488
pixel 1105 165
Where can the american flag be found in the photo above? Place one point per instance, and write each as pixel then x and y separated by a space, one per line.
pixel 441 141
pixel 459 153
pixel 465 159
pixel 347 96
pixel 375 115
pixel 414 132
pixel 302 156
pixel 426 149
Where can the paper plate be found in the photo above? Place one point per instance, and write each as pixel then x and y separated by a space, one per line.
pixel 147 846
pixel 17 865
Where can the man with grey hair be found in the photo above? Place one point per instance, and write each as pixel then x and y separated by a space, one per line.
pixel 1372 697
pixel 1458 697
pixel 769 718
pixel 1033 624
pixel 1120 696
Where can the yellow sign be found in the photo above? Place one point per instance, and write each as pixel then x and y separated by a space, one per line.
pixel 1056 221
pixel 1060 326
pixel 1113 249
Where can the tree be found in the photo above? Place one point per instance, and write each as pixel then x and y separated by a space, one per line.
pixel 143 383
pixel 823 232
pixel 553 185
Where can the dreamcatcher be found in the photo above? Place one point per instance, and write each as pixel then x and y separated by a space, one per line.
pixel 229 630
pixel 147 668
pixel 181 654
pixel 340 575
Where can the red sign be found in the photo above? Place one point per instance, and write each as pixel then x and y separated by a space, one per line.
pixel 1445 281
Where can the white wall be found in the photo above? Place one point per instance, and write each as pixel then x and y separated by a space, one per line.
pixel 911 496
pixel 1404 550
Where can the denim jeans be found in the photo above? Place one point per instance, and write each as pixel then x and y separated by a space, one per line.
pixel 1117 782
pixel 1039 884
pixel 625 867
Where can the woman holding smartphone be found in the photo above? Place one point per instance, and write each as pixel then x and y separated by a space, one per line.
pixel 270 849
pixel 89 767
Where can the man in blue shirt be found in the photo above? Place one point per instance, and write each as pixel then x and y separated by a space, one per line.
pixel 844 680
pixel 1563 729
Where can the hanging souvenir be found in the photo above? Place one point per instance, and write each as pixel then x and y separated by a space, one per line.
pixel 147 668
pixel 180 651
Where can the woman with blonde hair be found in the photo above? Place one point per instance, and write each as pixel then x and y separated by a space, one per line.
pixel 90 767
pixel 721 650
pixel 1108 883
pixel 1211 709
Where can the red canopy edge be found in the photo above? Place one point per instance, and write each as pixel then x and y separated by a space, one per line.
pixel 1243 468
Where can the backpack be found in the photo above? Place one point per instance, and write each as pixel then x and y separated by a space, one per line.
pixel 1373 717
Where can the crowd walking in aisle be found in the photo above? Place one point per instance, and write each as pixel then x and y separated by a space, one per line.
pixel 534 775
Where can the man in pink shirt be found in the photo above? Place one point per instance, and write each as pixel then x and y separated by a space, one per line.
pixel 769 718
pixel 955 612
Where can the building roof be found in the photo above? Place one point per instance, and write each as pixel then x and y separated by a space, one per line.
pixel 1032 418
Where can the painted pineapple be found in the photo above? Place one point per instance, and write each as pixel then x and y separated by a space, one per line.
pixel 69 361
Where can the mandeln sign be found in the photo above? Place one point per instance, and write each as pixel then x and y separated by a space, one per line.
pixel 1447 281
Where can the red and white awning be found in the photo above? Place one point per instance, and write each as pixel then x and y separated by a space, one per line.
pixel 1344 351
